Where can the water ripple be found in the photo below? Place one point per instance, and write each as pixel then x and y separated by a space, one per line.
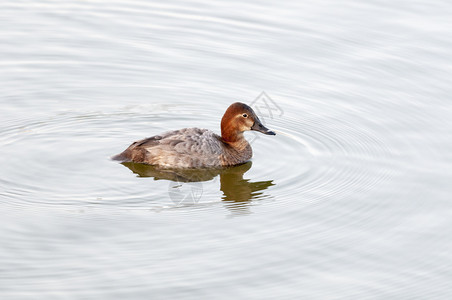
pixel 327 159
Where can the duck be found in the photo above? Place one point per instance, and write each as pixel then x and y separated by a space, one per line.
pixel 193 148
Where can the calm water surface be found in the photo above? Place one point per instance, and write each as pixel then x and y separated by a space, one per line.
pixel 350 200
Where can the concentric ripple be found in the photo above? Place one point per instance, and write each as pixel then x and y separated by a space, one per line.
pixel 66 159
pixel 317 159
pixel 323 159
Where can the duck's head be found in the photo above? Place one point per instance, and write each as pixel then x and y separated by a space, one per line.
pixel 238 118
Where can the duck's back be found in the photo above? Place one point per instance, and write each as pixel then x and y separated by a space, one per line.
pixel 184 148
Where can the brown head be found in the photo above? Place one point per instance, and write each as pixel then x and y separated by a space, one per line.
pixel 238 118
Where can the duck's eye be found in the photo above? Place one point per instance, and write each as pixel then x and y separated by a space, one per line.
pixel 245 115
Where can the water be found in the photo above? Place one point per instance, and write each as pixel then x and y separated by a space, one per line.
pixel 351 198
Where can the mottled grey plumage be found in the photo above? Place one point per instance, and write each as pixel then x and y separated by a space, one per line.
pixel 184 148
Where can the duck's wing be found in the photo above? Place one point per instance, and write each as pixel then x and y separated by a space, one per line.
pixel 186 148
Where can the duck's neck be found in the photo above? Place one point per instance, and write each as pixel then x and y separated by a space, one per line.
pixel 232 138
pixel 239 145
pixel 230 134
pixel 236 152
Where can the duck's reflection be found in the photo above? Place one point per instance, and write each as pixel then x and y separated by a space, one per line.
pixel 237 191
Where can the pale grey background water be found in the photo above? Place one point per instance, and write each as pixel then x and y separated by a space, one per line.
pixel 350 200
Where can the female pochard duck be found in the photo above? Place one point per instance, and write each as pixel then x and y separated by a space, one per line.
pixel 200 148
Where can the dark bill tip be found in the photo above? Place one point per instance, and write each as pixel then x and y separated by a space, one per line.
pixel 257 126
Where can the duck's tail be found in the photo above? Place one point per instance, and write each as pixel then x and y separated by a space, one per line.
pixel 123 156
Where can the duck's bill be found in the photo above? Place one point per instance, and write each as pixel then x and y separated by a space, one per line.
pixel 257 126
